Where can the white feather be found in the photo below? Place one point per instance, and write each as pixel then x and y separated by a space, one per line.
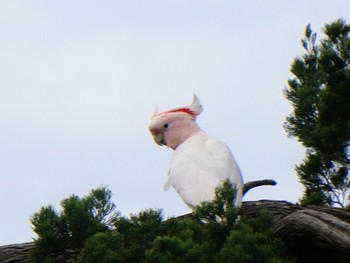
pixel 196 106
pixel 155 112
pixel 198 166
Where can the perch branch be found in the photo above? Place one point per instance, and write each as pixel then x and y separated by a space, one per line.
pixel 252 184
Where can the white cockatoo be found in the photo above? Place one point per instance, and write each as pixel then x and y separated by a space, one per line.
pixel 200 162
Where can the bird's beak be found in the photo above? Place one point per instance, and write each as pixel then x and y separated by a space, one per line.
pixel 159 139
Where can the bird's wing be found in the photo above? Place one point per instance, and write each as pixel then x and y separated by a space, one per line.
pixel 198 166
pixel 226 165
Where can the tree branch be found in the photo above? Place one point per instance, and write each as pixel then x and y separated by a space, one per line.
pixel 252 184
pixel 311 233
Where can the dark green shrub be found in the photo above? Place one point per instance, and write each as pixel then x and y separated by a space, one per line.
pixel 91 231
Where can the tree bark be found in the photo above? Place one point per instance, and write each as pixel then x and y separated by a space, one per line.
pixel 311 233
pixel 16 253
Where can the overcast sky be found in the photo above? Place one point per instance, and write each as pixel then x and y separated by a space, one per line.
pixel 80 79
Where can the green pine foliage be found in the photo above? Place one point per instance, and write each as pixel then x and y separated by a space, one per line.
pixel 103 247
pixel 68 230
pixel 89 229
pixel 320 96
pixel 252 240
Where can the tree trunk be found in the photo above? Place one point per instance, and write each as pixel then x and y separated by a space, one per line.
pixel 311 233
pixel 16 253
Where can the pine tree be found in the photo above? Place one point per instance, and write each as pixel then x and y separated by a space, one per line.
pixel 216 234
pixel 320 96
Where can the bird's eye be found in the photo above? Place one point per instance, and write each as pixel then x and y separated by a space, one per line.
pixel 165 125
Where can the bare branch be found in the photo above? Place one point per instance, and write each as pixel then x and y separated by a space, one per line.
pixel 252 184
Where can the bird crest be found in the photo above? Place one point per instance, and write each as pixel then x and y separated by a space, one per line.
pixel 194 109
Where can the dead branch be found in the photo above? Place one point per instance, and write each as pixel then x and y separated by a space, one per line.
pixel 252 184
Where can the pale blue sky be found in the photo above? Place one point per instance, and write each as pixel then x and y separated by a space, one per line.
pixel 80 79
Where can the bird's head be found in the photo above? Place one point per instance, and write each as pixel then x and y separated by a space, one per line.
pixel 174 126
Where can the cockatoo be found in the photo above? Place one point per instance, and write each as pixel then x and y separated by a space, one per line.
pixel 200 162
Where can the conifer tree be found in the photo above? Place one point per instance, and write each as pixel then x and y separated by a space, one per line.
pixel 320 96
pixel 216 234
